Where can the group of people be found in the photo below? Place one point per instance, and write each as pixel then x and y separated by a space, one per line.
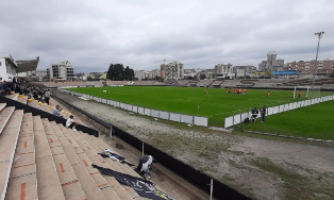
pixel 236 91
pixel 70 123
pixel 10 86
pixel 256 111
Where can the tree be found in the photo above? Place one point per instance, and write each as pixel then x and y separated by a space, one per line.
pixel 117 72
pixel 89 78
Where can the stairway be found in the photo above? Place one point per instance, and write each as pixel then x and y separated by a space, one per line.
pixel 40 159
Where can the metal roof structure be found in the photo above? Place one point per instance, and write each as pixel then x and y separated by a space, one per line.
pixel 27 65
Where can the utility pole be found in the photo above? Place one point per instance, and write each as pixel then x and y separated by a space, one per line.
pixel 316 58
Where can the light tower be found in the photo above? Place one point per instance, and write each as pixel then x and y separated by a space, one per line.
pixel 316 58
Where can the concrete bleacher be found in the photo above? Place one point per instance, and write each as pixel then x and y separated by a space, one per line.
pixel 217 83
pixel 205 83
pixel 40 159
pixel 182 82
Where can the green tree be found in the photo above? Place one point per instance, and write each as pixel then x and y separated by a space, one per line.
pixel 117 72
pixel 89 78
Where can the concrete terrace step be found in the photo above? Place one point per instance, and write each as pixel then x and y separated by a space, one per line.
pixel 100 181
pixel 88 184
pixel 2 106
pixel 23 183
pixel 8 140
pixel 71 185
pixel 49 186
pixel 5 115
pixel 13 96
pixel 124 192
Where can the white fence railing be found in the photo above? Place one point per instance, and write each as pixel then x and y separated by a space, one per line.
pixel 237 119
pixel 188 119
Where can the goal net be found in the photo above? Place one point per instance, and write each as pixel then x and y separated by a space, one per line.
pixel 309 92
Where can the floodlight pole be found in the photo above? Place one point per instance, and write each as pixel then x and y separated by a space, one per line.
pixel 316 58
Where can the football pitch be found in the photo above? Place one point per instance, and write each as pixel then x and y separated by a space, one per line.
pixel 216 104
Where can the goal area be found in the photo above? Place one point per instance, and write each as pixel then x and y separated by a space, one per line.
pixel 309 92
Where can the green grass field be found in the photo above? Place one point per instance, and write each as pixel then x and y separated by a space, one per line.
pixel 310 122
pixel 216 104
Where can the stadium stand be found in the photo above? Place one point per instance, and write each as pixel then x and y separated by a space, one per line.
pixel 40 159
pixel 205 83
pixel 217 83
pixel 193 83
pixel 182 82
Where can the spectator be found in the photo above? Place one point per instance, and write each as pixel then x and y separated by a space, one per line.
pixel 255 112
pixel 57 111
pixel 47 96
pixel 6 88
pixel 14 83
pixel 263 113
pixel 144 167
pixel 70 123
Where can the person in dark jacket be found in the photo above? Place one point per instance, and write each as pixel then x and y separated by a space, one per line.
pixel 263 113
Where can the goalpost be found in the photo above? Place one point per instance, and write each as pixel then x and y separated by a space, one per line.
pixel 309 92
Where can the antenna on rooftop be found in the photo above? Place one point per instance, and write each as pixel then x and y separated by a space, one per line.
pixel 164 60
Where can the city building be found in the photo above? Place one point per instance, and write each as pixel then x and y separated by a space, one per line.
pixel 244 71
pixel 224 71
pixel 272 63
pixel 80 76
pixel 147 75
pixel 209 74
pixel 63 71
pixel 321 67
pixel 192 73
pixel 172 71
pixel 141 75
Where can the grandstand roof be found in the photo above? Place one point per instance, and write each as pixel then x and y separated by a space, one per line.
pixel 27 65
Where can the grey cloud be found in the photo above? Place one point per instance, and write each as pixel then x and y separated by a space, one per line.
pixel 91 35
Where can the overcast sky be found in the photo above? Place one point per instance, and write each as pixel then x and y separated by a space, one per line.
pixel 141 33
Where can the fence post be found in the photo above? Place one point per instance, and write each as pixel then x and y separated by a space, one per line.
pixel 211 189
pixel 142 149
pixel 110 131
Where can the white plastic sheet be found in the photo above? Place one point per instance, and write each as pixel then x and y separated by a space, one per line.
pixel 276 110
pixel 141 110
pixel 155 113
pixel 147 112
pixel 164 115
pixel 236 119
pixel 270 111
pixel 228 122
pixel 201 121
pixel 175 117
pixel 244 116
pixel 134 109
pixel 187 119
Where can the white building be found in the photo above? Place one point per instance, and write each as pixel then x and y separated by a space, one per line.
pixel 224 71
pixel 8 67
pixel 244 71
pixel 63 71
pixel 172 71
pixel 147 75
pixel 141 75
